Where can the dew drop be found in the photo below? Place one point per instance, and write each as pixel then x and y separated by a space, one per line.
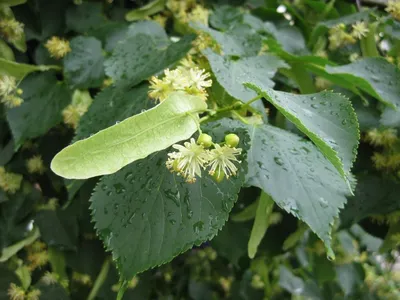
pixel 278 161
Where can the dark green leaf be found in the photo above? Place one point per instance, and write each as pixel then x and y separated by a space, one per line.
pixel 138 57
pixel 225 17
pixel 44 99
pixel 147 215
pixel 373 195
pixel 58 228
pixel 83 66
pixel 375 76
pixel 232 74
pixel 52 291
pixel 149 9
pixel 328 119
pixel 19 70
pixel 240 41
pixel 290 282
pixel 390 118
pixel 350 277
pixel 84 17
pixel 298 177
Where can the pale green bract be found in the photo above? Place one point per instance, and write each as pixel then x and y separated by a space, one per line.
pixel 110 149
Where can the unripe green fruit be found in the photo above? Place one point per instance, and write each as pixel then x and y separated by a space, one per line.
pixel 205 140
pixel 218 176
pixel 232 140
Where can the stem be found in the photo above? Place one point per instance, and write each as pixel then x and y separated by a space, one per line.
pixel 368 44
pixel 122 289
pixel 247 104
pixel 241 119
pixel 303 79
pixel 100 279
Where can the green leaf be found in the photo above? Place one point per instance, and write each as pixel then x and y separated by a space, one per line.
pixel 231 242
pixel 390 118
pixel 44 99
pixel 15 215
pixel 138 57
pixel 147 10
pixel 350 277
pixel 147 215
pixel 12 2
pixel 247 214
pixel 261 223
pixel 9 251
pixel 373 196
pixel 298 177
pixel 155 32
pixel 375 76
pixel 225 17
pixel 6 52
pixel 391 240
pixel 327 118
pixel 83 66
pixel 110 106
pixel 290 282
pixel 109 150
pixel 239 41
pixel 84 17
pixel 19 71
pixel 58 228
pixel 232 74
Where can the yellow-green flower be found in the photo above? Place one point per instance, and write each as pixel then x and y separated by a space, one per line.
pixel 338 37
pixel 12 101
pixel 199 14
pixel 360 30
pixel 222 160
pixel 9 182
pixel 11 29
pixel 33 295
pixel 58 47
pixel 393 7
pixel 35 165
pixel 16 292
pixel 7 85
pixel 188 160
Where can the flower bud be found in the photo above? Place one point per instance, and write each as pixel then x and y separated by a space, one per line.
pixel 218 176
pixel 232 140
pixel 205 140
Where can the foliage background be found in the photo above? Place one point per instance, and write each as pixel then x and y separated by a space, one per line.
pixel 47 238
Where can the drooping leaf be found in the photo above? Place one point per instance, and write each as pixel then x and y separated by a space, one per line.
pixel 328 119
pixel 375 76
pixel 109 150
pixel 44 99
pixel 19 70
pixel 232 74
pixel 110 106
pixel 146 215
pixel 261 223
pixel 373 196
pixel 138 57
pixel 149 9
pixel 241 40
pixel 298 177
pixel 83 66
pixel 350 276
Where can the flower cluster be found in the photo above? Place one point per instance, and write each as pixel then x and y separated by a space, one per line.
pixel 393 7
pixel 35 165
pixel 81 101
pixel 338 37
pixel 9 182
pixel 9 93
pixel 11 30
pixel 193 81
pixel 186 11
pixel 16 292
pixel 193 157
pixel 58 47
